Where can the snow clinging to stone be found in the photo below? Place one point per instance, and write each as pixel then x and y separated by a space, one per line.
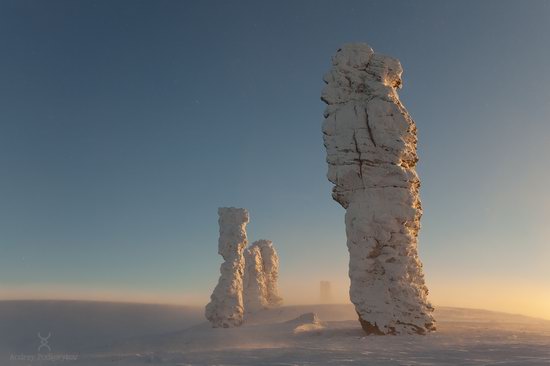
pixel 226 302
pixel 254 289
pixel 370 140
pixel 270 265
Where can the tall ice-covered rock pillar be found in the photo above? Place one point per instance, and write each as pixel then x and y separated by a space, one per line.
pixel 370 140
pixel 254 288
pixel 226 302
pixel 270 265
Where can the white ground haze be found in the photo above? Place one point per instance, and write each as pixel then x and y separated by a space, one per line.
pixel 491 294
pixel 101 334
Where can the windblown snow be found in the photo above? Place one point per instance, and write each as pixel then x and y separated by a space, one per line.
pixel 101 334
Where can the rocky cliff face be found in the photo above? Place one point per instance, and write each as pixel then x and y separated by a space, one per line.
pixel 226 302
pixel 371 140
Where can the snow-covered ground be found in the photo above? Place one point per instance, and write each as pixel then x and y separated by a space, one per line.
pixel 99 334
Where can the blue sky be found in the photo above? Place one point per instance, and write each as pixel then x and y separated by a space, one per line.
pixel 125 124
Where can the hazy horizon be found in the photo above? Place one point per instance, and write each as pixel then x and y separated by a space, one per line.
pixel 299 296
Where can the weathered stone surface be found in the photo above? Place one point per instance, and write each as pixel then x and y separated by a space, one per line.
pixel 254 290
pixel 270 263
pixel 370 140
pixel 226 302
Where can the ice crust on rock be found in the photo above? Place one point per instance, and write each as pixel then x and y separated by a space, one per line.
pixel 270 264
pixel 261 275
pixel 248 276
pixel 371 140
pixel 254 290
pixel 226 302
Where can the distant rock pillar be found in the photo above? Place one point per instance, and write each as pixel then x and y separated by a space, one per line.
pixel 325 294
pixel 226 305
pixel 254 289
pixel 270 263
pixel 370 140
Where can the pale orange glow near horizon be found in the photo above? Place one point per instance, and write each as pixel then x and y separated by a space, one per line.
pixel 516 298
pixel 96 294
